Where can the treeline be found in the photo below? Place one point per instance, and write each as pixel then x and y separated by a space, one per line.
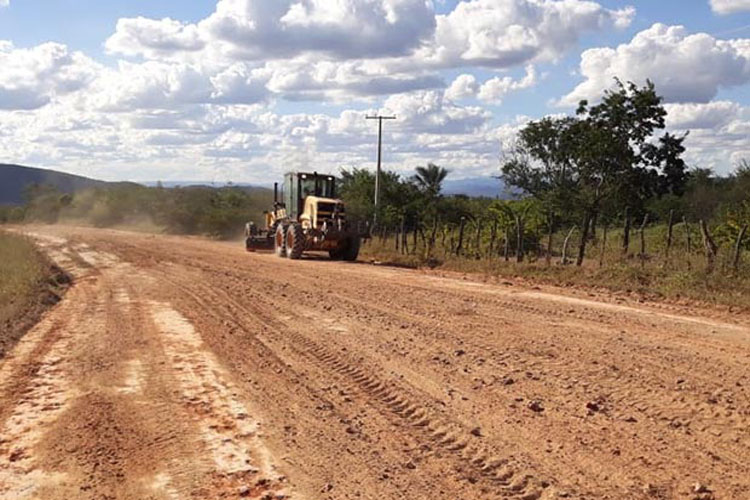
pixel 217 212
pixel 607 172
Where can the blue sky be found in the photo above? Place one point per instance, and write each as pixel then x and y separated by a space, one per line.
pixel 113 90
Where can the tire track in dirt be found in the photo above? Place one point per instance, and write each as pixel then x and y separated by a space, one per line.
pixel 229 434
pixel 567 376
pixel 291 294
pixel 503 477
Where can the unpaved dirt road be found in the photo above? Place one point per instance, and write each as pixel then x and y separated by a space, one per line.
pixel 182 368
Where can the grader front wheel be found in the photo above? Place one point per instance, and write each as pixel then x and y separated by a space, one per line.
pixel 295 241
pixel 351 251
pixel 279 240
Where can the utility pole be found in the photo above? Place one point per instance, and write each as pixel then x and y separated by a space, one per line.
pixel 380 119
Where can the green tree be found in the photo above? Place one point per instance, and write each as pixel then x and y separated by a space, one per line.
pixel 601 159
pixel 429 180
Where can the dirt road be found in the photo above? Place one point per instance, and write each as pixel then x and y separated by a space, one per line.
pixel 182 368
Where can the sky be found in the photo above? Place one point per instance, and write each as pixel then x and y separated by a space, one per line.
pixel 244 90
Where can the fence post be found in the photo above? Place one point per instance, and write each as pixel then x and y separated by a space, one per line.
pixel 493 236
pixel 478 239
pixel 626 232
pixel 506 250
pixel 416 230
pixel 404 239
pixel 519 239
pixel 642 254
pixel 688 248
pixel 738 249
pixel 670 227
pixel 433 235
pixel 550 220
pixel 564 259
pixel 461 228
pixel 709 246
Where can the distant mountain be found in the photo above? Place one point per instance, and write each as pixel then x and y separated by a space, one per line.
pixel 15 178
pixel 172 184
pixel 487 187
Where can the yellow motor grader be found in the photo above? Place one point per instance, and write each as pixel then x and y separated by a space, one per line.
pixel 306 217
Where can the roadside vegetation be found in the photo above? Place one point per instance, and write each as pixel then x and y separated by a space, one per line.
pixel 28 284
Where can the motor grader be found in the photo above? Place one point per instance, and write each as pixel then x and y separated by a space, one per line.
pixel 306 217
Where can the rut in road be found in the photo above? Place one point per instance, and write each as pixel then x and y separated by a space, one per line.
pixel 114 395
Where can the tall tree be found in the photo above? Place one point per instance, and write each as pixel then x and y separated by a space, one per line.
pixel 602 158
pixel 430 179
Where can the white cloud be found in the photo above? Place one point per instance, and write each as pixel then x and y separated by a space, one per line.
pixel 494 90
pixel 153 38
pixel 692 116
pixel 31 78
pixel 504 33
pixel 719 134
pixel 263 30
pixel 491 91
pixel 730 6
pixel 198 100
pixel 463 86
pixel 685 67
pixel 4 3
pixel 428 111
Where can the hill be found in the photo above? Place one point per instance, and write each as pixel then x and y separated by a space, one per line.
pixel 486 187
pixel 15 178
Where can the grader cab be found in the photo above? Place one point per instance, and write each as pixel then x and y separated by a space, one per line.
pixel 307 217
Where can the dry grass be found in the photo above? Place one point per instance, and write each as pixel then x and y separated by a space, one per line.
pixel 683 277
pixel 22 269
pixel 23 283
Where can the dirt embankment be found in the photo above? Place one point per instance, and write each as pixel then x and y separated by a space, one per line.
pixel 182 368
pixel 30 283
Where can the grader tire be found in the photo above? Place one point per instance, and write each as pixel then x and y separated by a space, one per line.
pixel 295 241
pixel 351 251
pixel 279 241
pixel 336 254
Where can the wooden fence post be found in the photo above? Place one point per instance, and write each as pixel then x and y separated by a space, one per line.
pixel 433 235
pixel 506 249
pixel 642 254
pixel 626 233
pixel 493 236
pixel 709 246
pixel 519 239
pixel 416 231
pixel 688 244
pixel 738 249
pixel 550 221
pixel 478 239
pixel 564 259
pixel 461 228
pixel 670 227
pixel 404 237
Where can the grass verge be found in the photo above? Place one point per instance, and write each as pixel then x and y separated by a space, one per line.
pixel 29 284
pixel 681 280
